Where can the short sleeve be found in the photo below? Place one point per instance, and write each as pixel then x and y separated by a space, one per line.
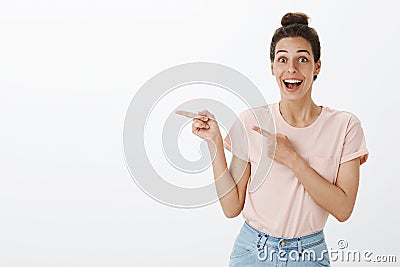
pixel 236 141
pixel 354 145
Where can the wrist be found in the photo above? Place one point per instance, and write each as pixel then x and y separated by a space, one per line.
pixel 215 143
pixel 298 164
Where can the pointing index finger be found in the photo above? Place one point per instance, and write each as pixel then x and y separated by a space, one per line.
pixel 188 114
pixel 192 115
pixel 261 131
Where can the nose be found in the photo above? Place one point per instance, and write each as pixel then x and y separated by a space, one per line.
pixel 292 68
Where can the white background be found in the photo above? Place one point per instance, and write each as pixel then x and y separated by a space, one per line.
pixel 68 71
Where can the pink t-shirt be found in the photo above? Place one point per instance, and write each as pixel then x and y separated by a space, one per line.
pixel 276 203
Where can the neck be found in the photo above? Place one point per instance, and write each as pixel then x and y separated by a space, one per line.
pixel 299 113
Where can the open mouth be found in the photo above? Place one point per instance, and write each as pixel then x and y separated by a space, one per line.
pixel 292 84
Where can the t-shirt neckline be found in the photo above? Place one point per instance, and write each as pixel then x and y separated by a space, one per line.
pixel 282 120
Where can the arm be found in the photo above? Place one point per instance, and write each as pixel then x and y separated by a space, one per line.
pixel 230 184
pixel 337 199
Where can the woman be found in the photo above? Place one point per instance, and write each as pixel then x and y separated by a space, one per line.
pixel 317 152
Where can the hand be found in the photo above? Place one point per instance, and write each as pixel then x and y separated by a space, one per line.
pixel 279 148
pixel 204 124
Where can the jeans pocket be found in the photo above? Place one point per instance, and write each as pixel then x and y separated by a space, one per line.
pixel 242 247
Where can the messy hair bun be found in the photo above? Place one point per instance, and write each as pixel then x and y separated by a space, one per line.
pixel 294 18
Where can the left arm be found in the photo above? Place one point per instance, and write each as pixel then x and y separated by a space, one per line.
pixel 337 199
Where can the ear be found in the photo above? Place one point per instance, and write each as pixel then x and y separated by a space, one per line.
pixel 317 67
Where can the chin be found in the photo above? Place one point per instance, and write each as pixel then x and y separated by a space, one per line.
pixel 291 96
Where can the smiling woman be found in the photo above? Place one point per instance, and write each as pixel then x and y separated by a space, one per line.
pixel 317 152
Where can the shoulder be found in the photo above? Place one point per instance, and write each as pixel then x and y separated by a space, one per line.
pixel 341 116
pixel 261 115
pixel 254 111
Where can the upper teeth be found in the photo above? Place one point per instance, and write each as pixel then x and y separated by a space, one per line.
pixel 292 81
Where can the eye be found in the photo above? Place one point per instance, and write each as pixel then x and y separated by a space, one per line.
pixel 303 59
pixel 282 60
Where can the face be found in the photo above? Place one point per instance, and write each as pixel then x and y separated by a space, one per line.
pixel 294 68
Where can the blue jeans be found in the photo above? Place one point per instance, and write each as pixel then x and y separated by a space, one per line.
pixel 255 248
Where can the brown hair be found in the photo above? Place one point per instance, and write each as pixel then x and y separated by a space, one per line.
pixel 296 25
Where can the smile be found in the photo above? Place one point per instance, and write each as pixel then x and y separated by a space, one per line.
pixel 292 84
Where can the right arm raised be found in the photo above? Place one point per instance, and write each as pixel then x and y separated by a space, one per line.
pixel 231 184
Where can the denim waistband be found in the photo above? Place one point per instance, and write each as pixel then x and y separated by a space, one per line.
pixel 281 243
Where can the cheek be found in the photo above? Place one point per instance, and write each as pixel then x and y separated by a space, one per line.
pixel 276 70
pixel 309 71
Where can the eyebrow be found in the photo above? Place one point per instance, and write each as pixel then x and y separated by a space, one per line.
pixel 298 51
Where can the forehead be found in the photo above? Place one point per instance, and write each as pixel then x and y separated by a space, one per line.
pixel 293 44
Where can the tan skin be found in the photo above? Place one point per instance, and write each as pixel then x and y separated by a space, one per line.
pixel 293 60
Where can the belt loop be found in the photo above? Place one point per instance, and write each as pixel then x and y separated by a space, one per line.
pixel 262 241
pixel 261 247
pixel 299 248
